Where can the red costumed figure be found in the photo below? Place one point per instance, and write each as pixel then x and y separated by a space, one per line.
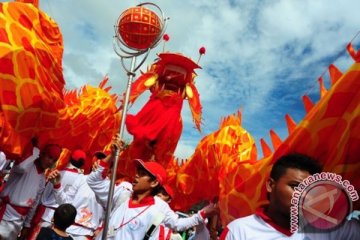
pixel 158 126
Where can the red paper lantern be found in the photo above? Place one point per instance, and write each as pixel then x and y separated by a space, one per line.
pixel 139 27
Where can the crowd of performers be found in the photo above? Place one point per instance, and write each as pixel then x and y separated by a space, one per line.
pixel 67 204
pixel 30 198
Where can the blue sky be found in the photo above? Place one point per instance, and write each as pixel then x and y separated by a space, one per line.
pixel 261 55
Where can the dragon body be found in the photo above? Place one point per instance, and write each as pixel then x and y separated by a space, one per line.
pixel 33 99
pixel 225 163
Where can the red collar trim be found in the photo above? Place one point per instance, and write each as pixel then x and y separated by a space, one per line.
pixel 261 213
pixel 71 170
pixel 38 168
pixel 146 201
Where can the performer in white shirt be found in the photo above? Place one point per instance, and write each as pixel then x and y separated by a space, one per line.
pixel 201 233
pixel 122 189
pixel 45 211
pixel 167 194
pixel 135 217
pixel 273 221
pixel 90 209
pixel 23 190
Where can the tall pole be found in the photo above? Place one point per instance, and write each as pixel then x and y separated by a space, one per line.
pixel 131 75
pixel 126 54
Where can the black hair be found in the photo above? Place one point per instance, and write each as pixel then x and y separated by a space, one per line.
pixel 64 216
pixel 79 163
pixel 164 192
pixel 156 189
pixel 295 161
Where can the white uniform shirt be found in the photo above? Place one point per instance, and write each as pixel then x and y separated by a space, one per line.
pixel 24 188
pixel 68 177
pixel 122 192
pixel 253 227
pixel 3 161
pixel 131 221
pixel 89 211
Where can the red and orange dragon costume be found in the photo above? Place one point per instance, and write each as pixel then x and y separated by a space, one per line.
pixel 158 125
pixel 33 99
pixel 225 164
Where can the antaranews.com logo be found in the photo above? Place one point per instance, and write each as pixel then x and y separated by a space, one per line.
pixel 321 201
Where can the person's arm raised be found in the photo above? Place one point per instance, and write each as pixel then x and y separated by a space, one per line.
pixel 97 180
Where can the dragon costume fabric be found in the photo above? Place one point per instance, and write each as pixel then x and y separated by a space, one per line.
pixel 33 99
pixel 226 161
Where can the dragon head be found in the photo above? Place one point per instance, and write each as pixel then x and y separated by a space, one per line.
pixel 171 73
pixel 174 72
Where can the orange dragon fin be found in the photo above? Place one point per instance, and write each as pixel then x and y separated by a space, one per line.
pixel 265 148
pixel 308 104
pixel 195 107
pixel 354 54
pixel 139 86
pixel 323 90
pixel 291 124
pixel 104 82
pixel 275 139
pixel 334 73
